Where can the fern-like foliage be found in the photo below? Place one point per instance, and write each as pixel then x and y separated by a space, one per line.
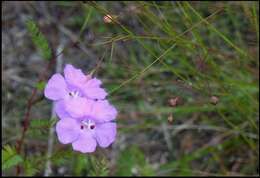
pixel 30 168
pixel 61 157
pixel 39 39
pixel 80 164
pixel 39 128
pixel 40 85
pixel 99 166
pixel 136 164
pixel 43 123
pixel 9 157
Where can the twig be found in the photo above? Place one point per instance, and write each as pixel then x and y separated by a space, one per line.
pixel 166 134
pixel 30 103
pixel 48 169
pixel 74 38
pixel 178 128
pixel 27 114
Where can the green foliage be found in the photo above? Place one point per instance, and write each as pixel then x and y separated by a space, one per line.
pixel 132 162
pixel 9 157
pixel 62 157
pixel 30 168
pixel 39 39
pixel 43 123
pixel 80 165
pixel 99 166
pixel 90 165
pixel 40 85
pixel 39 128
pixel 160 50
pixel 38 133
pixel 182 166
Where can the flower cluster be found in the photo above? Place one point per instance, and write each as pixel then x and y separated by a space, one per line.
pixel 86 117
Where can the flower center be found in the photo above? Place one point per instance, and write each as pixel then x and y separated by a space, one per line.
pixel 74 94
pixel 88 124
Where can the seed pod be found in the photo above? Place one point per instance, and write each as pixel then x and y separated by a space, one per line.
pixel 174 101
pixel 170 119
pixel 107 18
pixel 214 100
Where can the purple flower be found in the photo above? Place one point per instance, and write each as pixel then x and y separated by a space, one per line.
pixel 86 118
pixel 99 110
pixel 95 127
pixel 73 91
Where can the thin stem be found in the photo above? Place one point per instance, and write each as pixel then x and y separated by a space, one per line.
pixel 30 103
pixel 48 169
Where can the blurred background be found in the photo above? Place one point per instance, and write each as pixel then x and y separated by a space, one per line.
pixel 184 77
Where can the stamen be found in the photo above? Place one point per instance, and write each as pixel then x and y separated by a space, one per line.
pixel 74 94
pixel 88 124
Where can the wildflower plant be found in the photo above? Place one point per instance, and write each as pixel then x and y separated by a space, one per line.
pixel 200 67
pixel 86 117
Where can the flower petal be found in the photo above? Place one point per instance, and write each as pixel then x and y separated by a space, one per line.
pixel 102 111
pixel 92 89
pixel 56 87
pixel 68 130
pixel 94 82
pixel 105 134
pixel 60 110
pixel 86 143
pixel 94 93
pixel 74 76
pixel 77 107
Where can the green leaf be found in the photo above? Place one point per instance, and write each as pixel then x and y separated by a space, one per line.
pixel 9 157
pixel 29 168
pixel 99 166
pixel 62 157
pixel 39 39
pixel 40 85
pixel 132 162
pixel 80 164
pixel 43 123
